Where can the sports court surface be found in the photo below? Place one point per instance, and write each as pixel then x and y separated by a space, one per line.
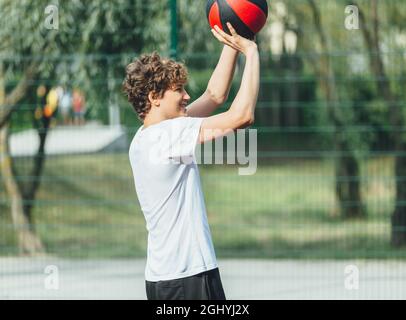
pixel 25 278
pixel 91 138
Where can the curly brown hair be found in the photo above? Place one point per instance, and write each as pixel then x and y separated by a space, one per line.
pixel 151 73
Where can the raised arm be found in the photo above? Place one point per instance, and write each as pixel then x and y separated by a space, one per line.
pixel 220 82
pixel 218 87
pixel 241 112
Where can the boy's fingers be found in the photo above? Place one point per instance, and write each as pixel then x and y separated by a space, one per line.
pixel 225 35
pixel 232 30
pixel 218 36
pixel 223 40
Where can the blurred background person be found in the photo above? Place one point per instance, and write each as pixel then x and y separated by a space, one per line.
pixel 51 106
pixel 78 103
pixel 65 105
pixel 41 101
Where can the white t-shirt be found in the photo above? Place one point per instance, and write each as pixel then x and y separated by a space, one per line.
pixel 169 191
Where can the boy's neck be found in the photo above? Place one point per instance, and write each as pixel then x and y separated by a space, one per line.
pixel 153 119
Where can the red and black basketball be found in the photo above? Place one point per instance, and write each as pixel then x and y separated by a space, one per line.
pixel 246 16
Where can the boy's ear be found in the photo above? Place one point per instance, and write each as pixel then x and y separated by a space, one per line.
pixel 152 99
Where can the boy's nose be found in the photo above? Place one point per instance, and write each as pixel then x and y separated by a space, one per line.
pixel 186 96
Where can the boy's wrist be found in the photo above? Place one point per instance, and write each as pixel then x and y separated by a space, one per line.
pixel 233 50
pixel 252 48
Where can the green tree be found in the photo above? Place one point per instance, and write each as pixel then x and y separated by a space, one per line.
pixel 18 39
pixel 319 39
pixel 31 50
pixel 372 28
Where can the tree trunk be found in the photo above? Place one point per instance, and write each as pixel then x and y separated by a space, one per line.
pixel 28 241
pixel 348 186
pixel 292 89
pixel 347 165
pixel 398 237
pixel 30 191
pixel 272 94
pixel 396 119
pixel 9 103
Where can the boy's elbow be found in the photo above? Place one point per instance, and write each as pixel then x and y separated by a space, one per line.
pixel 246 121
pixel 215 98
pixel 250 121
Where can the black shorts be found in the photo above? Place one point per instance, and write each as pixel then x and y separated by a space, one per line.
pixel 203 286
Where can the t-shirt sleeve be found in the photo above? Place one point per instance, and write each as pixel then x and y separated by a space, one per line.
pixel 183 136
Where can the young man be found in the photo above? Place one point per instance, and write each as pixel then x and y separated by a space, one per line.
pixel 181 262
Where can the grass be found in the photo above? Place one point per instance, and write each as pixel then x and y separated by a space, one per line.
pixel 87 207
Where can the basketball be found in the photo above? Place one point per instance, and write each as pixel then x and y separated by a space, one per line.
pixel 246 16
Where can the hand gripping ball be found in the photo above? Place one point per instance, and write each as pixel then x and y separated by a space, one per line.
pixel 246 16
